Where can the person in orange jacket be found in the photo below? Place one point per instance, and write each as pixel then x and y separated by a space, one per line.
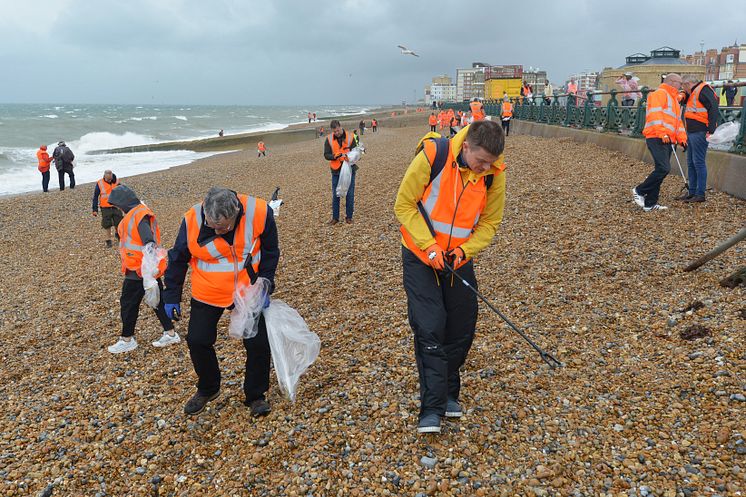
pixel 110 215
pixel 433 121
pixel 261 149
pixel 477 110
pixel 44 162
pixel 663 129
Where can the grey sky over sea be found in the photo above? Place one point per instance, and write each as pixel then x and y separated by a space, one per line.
pixel 306 52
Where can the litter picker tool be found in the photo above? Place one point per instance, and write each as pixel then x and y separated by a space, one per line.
pixel 546 356
pixel 681 170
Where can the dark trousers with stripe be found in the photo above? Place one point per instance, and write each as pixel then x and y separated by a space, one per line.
pixel 201 337
pixel 443 316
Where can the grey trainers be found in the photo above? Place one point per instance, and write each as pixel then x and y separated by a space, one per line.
pixel 453 409
pixel 429 423
pixel 197 403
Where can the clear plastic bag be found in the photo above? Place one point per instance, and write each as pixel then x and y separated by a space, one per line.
pixel 152 255
pixel 724 135
pixel 248 302
pixel 294 347
pixel 345 178
pixel 355 154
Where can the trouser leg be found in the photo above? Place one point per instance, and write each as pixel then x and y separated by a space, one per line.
pixel 256 375
pixel 691 169
pixel 201 336
pixel 427 317
pixel 129 303
pixel 661 153
pixel 461 321
pixel 61 178
pixel 350 198
pixel 506 127
pixel 45 181
pixel 698 145
pixel 335 199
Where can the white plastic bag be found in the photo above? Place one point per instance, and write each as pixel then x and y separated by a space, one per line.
pixel 248 302
pixel 354 155
pixel 152 255
pixel 345 178
pixel 724 135
pixel 294 347
pixel 275 206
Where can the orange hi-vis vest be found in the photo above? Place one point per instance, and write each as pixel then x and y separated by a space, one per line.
pixel 217 267
pixel 477 111
pixel 44 160
pixel 694 108
pixel 507 109
pixel 337 149
pixel 432 120
pixel 130 243
pixel 261 147
pixel 105 189
pixel 663 115
pixel 450 208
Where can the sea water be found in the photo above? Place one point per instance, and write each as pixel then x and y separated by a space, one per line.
pixel 85 128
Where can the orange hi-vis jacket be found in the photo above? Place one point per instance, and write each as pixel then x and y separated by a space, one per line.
pixel 130 243
pixel 44 160
pixel 217 267
pixel 507 109
pixel 105 189
pixel 337 149
pixel 432 120
pixel 663 115
pixel 477 111
pixel 261 147
pixel 452 207
pixel 694 108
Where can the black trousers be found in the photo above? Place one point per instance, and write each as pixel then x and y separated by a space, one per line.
pixel 443 317
pixel 432 128
pixel 132 294
pixel 203 331
pixel 61 175
pixel 45 181
pixel 506 127
pixel 651 187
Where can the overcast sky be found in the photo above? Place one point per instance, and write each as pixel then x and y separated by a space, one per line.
pixel 314 52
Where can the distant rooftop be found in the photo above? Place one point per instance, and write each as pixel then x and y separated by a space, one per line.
pixel 662 56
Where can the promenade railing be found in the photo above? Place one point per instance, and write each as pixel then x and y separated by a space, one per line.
pixel 587 112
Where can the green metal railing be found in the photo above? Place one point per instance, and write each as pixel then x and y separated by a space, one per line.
pixel 576 111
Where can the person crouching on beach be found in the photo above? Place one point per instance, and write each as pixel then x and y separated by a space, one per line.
pixel 228 240
pixel 261 149
pixel 44 162
pixel 137 230
pixel 110 215
pixel 336 147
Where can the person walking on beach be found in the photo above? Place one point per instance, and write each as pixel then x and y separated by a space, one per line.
pixel 137 230
pixel 374 125
pixel 44 162
pixel 447 214
pixel 700 119
pixel 221 133
pixel 507 115
pixel 336 147
pixel 477 110
pixel 433 122
pixel 261 149
pixel 63 162
pixel 110 215
pixel 314 117
pixel 228 240
pixel 362 127
pixel 663 129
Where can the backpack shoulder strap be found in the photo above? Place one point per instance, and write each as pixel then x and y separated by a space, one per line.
pixel 438 162
pixel 488 180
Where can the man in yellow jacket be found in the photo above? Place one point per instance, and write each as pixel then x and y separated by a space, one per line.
pixel 663 129
pixel 450 204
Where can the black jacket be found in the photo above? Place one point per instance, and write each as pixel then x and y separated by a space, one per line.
pixel 710 102
pixel 63 156
pixel 179 256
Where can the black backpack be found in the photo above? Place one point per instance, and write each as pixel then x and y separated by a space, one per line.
pixel 67 155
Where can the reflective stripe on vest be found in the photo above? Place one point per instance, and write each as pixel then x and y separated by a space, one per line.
pixel 105 189
pixel 126 241
pixel 694 108
pixel 130 243
pixel 667 110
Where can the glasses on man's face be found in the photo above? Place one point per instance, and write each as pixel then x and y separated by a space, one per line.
pixel 224 225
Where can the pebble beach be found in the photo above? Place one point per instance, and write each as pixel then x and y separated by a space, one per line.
pixel 640 407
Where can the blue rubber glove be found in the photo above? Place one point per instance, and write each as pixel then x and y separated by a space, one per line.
pixel 173 311
pixel 266 301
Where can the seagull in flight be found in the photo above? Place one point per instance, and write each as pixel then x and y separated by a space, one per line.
pixel 406 51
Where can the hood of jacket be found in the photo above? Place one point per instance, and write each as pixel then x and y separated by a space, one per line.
pixel 457 143
pixel 124 198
